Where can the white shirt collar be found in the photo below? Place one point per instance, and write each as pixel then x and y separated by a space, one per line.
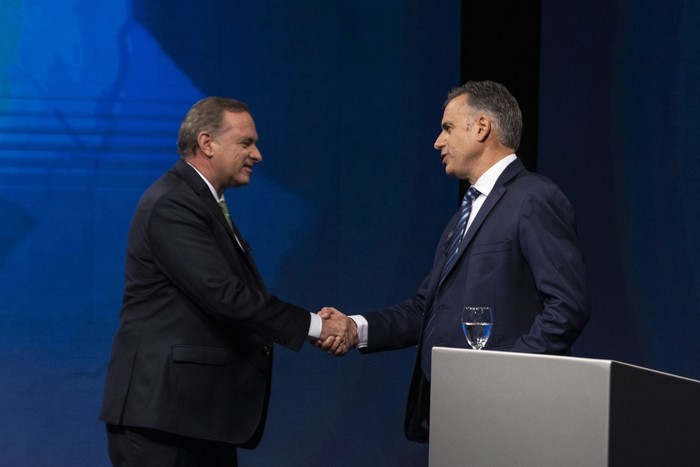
pixel 486 182
pixel 211 187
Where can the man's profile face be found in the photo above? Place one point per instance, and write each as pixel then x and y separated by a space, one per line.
pixel 235 149
pixel 457 142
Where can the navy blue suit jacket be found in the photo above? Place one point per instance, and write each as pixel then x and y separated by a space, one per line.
pixel 520 256
pixel 193 352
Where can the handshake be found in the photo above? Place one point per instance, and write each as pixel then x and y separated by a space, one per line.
pixel 338 334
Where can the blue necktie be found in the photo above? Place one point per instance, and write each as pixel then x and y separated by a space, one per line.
pixel 428 339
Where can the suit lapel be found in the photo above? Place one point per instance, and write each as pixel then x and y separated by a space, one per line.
pixel 489 203
pixel 247 253
pixel 499 189
pixel 192 178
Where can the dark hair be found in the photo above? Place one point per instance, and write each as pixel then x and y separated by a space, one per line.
pixel 205 115
pixel 494 99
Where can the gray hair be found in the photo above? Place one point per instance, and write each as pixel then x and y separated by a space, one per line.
pixel 494 99
pixel 206 115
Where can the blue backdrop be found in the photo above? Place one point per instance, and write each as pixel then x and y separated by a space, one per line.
pixel 347 98
pixel 619 117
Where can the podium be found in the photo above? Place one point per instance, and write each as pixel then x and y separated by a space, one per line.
pixel 491 408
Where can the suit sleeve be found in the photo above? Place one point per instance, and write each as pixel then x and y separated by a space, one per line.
pixel 548 242
pixel 185 249
pixel 397 327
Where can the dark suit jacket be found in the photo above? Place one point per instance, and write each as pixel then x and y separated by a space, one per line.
pixel 519 256
pixel 193 352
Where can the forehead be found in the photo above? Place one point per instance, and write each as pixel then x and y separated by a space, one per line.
pixel 456 108
pixel 239 124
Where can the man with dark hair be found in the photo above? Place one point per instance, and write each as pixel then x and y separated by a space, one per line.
pixel 511 246
pixel 189 376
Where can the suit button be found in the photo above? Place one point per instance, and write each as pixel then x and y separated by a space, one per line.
pixel 266 351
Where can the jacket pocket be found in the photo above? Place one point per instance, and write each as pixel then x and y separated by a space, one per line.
pixel 201 355
pixel 490 247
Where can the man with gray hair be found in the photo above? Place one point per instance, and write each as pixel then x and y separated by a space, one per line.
pixel 189 377
pixel 511 246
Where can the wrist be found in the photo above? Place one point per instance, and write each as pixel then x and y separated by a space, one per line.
pixel 354 336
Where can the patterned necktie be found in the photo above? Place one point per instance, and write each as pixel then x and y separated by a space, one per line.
pixel 428 338
pixel 227 215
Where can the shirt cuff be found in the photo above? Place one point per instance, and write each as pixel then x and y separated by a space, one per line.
pixel 362 330
pixel 315 326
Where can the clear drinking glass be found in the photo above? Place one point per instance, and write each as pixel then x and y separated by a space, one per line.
pixel 476 324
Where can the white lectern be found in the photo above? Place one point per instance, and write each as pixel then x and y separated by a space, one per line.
pixel 508 409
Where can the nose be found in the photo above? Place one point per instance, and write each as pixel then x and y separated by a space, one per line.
pixel 439 142
pixel 255 154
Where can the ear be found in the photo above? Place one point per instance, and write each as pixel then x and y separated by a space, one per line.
pixel 483 128
pixel 204 140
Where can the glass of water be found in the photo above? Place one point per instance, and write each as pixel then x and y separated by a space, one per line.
pixel 476 324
